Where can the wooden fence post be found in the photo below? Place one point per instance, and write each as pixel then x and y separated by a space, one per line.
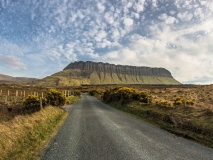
pixel 41 103
pixel 6 99
pixel 65 93
pixel 15 99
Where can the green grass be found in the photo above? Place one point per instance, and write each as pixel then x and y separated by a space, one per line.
pixel 25 136
pixel 182 121
pixel 72 99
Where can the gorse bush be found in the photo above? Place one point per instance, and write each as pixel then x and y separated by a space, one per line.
pixel 145 97
pixel 55 98
pixel 95 92
pixel 189 102
pixel 31 102
pixel 110 95
pixel 125 95
pixel 181 101
pixel 77 93
pixel 163 103
pixel 178 101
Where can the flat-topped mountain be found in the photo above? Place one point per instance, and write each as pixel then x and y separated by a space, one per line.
pixel 119 69
pixel 98 73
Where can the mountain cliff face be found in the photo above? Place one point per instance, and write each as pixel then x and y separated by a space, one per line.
pixel 119 69
pixel 93 73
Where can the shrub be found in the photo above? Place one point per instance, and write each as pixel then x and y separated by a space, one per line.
pixel 95 92
pixel 189 102
pixel 107 96
pixel 163 103
pixel 31 102
pixel 145 97
pixel 125 95
pixel 77 93
pixel 55 98
pixel 178 101
pixel 92 92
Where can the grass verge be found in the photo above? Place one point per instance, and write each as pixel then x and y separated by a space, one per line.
pixel 187 122
pixel 72 99
pixel 25 136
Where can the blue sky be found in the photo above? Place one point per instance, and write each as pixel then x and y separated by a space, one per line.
pixel 41 37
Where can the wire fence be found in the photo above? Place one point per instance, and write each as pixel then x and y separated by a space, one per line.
pixel 12 100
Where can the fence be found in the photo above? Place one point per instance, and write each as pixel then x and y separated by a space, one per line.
pixel 12 98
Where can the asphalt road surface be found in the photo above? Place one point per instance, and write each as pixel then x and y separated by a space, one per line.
pixel 95 131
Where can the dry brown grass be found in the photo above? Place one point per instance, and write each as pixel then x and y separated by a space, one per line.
pixel 202 96
pixel 24 136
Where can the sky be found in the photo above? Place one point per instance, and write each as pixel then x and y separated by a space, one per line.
pixel 41 37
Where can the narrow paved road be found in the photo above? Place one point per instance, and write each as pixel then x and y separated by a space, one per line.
pixel 95 131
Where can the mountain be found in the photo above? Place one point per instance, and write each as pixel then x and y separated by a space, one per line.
pixel 6 79
pixel 98 73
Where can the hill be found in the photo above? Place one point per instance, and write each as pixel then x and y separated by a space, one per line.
pixel 98 73
pixel 9 79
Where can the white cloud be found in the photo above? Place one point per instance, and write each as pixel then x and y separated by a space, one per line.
pixel 189 61
pixel 185 16
pixel 203 2
pixel 167 19
pixel 128 22
pixel 101 7
pixel 199 13
pixel 155 3
pixel 129 5
pixel 170 20
pixel 163 16
pixel 137 16
pixel 172 12
pixel 100 36
pixel 104 44
pixel 139 7
pixel 12 62
pixel 109 17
